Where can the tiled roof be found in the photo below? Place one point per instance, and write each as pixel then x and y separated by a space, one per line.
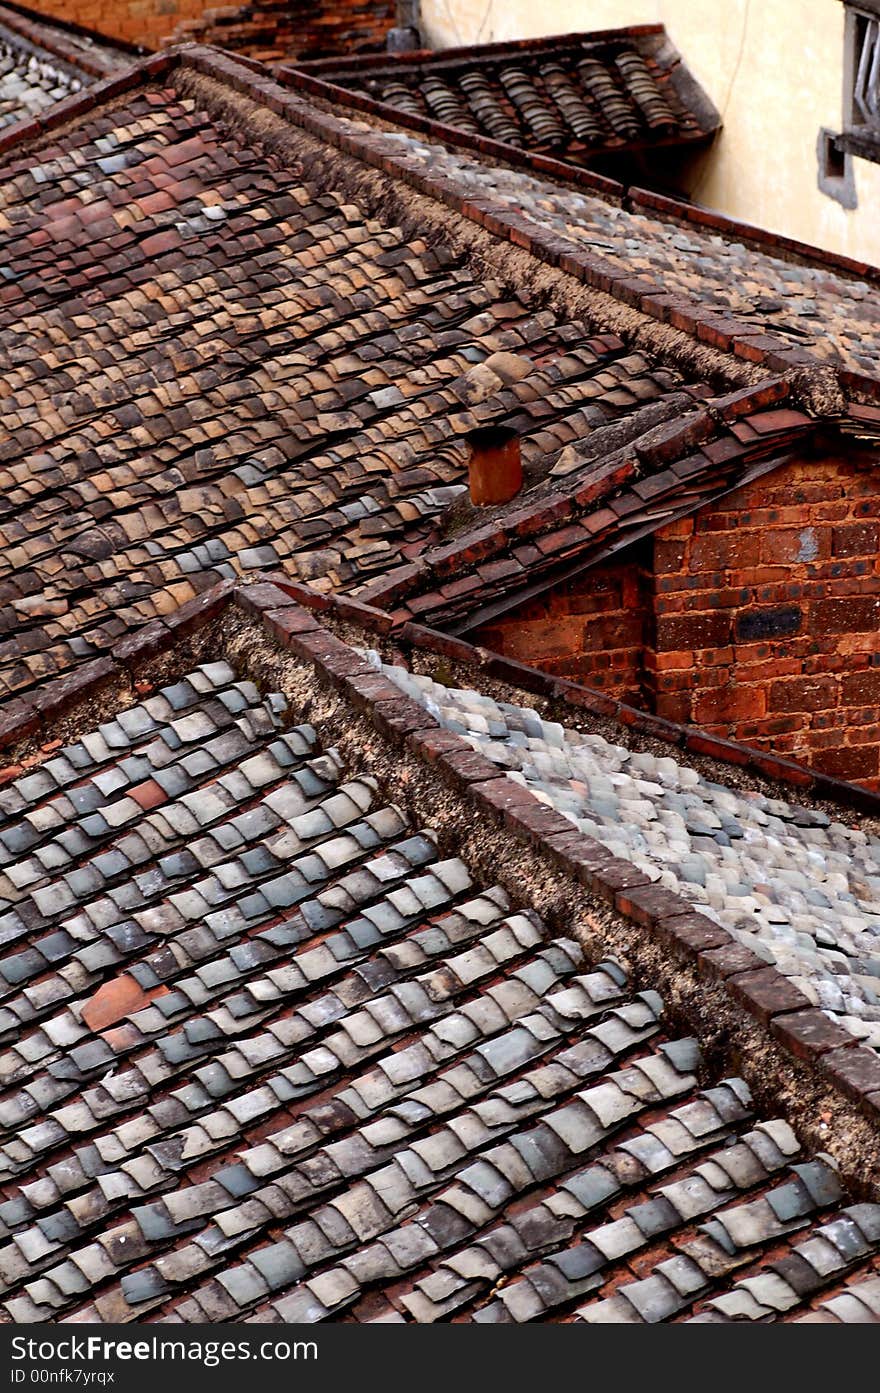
pixel 271 1053
pixel 799 889
pixel 592 503
pixel 826 312
pixel 208 365
pixel 682 264
pixel 796 311
pixel 42 63
pixel 220 356
pixel 308 1009
pixel 575 96
pixel 181 401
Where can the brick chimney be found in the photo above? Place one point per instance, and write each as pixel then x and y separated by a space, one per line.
pixel 494 465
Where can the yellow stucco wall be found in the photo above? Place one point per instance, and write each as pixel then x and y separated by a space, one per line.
pixel 774 68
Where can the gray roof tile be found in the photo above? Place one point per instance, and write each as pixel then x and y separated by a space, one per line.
pixel 459 1081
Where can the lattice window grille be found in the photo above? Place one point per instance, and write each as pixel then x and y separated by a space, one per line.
pixel 866 85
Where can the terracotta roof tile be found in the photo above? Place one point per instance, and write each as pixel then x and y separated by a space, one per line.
pixel 671 258
pixel 197 411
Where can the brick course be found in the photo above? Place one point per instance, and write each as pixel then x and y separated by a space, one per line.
pixel 593 628
pixel 265 30
pixel 768 604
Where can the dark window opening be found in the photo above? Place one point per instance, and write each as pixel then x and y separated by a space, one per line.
pixel 836 177
pixel 833 160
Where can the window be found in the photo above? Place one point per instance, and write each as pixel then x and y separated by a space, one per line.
pixel 866 77
pixel 860 135
pixel 861 94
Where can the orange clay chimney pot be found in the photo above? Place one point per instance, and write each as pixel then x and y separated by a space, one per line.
pixel 494 465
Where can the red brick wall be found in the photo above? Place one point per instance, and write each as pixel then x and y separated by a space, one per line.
pixel 593 628
pixel 268 28
pixel 273 29
pixel 144 22
pixel 757 619
pixel 767 611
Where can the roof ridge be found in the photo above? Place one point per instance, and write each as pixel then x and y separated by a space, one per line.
pixel 761 990
pixel 819 384
pixel 331 1047
pixel 534 680
pixel 633 196
pixel 69 108
pixel 27 719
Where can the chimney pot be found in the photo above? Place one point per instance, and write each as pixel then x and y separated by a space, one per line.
pixel 494 465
